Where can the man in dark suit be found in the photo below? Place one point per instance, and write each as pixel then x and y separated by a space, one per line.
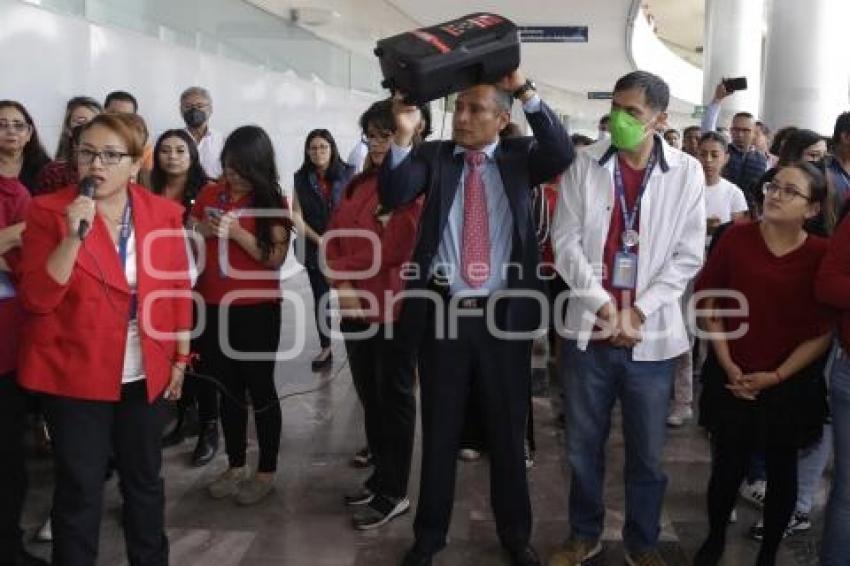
pixel 476 254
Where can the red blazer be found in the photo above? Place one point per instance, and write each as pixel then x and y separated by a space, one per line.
pixel 74 335
pixel 357 210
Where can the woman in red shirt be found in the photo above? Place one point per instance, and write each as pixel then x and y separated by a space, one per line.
pixel 105 285
pixel 14 199
pixel 246 227
pixel 178 175
pixel 763 385
pixel 382 372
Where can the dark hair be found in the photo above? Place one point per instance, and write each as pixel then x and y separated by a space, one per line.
pixel 605 119
pixel 580 140
pixel 715 137
pixel 655 90
pixel 796 143
pixel 779 139
pixel 746 115
pixel 195 177
pixel 248 150
pixel 336 165
pixel 690 129
pixel 765 129
pixel 129 127
pixel 671 131
pixel 65 149
pixel 121 96
pixel 380 115
pixel 427 129
pixel 34 155
pixel 842 126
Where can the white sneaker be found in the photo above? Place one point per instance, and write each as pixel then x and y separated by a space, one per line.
pixel 227 484
pixel 469 455
pixel 45 533
pixel 754 492
pixel 680 415
pixel 254 490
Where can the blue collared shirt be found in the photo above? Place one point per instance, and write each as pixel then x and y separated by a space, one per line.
pixel 501 223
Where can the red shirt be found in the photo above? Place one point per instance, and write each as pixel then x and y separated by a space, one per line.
pixel 54 176
pixel 632 179
pixel 14 200
pixel 347 253
pixel 780 291
pixel 213 284
pixel 325 188
pixel 832 285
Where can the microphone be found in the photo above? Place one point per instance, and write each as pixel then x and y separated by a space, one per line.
pixel 87 185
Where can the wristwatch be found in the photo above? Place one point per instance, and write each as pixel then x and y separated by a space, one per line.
pixel 529 85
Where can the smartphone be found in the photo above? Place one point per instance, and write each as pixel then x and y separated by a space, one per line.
pixel 738 83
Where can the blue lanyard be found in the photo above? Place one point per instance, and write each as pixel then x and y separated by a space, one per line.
pixel 123 242
pixel 629 217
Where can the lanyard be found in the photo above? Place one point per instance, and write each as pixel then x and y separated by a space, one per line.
pixel 629 217
pixel 123 242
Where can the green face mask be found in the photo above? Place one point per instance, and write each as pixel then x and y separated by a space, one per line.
pixel 627 132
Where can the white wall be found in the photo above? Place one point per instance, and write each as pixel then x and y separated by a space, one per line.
pixel 52 57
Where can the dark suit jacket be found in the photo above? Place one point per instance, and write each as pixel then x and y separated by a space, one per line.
pixel 432 168
pixel 315 209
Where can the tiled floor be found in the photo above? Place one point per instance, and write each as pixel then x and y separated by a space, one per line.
pixel 304 522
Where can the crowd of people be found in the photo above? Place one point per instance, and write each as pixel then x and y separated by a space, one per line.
pixel 137 274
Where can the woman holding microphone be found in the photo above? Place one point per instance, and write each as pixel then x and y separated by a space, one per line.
pixel 104 280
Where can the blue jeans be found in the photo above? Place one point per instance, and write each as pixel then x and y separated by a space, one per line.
pixel 594 380
pixel 836 537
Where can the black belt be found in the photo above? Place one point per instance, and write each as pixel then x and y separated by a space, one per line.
pixel 441 287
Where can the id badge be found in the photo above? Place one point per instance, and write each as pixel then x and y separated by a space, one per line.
pixel 7 290
pixel 625 271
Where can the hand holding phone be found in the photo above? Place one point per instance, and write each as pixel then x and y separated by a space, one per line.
pixel 735 84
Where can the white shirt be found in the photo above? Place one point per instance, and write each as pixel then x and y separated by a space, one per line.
pixel 357 156
pixel 672 238
pixel 723 200
pixel 133 367
pixel 209 151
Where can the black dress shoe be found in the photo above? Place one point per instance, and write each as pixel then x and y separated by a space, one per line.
pixel 524 557
pixel 207 445
pixel 24 558
pixel 417 557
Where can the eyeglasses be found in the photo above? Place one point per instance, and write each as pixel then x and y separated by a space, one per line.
pixel 382 137
pixel 16 126
pixel 785 194
pixel 107 156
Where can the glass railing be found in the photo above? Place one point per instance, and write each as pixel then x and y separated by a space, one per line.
pixel 234 29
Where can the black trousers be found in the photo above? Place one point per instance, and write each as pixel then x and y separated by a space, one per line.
pixel 202 391
pixel 383 376
pixel 13 478
pixel 320 287
pixel 496 373
pixel 731 452
pixel 85 434
pixel 250 329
